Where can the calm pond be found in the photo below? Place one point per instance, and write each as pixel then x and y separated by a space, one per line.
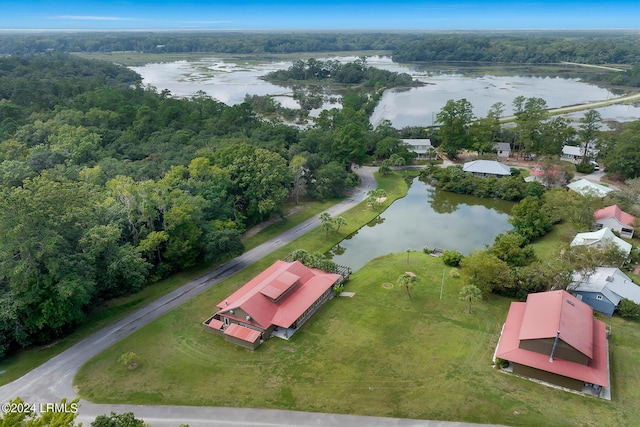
pixel 229 82
pixel 426 217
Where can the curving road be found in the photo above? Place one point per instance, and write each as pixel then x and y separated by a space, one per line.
pixel 52 380
pixel 587 106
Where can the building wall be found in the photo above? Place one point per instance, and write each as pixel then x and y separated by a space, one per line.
pixel 243 343
pixel 615 225
pixel 328 294
pixel 563 350
pixel 603 306
pixel 548 377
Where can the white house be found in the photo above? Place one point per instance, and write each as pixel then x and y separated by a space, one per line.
pixel 422 147
pixel 503 149
pixel 575 154
pixel 588 188
pixel 599 239
pixel 486 168
pixel 616 219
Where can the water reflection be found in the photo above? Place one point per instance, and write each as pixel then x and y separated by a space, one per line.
pixel 229 82
pixel 426 217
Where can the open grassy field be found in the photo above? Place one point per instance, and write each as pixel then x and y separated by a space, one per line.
pixel 378 353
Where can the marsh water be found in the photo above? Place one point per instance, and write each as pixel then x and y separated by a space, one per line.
pixel 229 81
pixel 426 217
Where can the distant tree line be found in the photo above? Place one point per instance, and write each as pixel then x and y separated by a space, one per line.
pixel 588 47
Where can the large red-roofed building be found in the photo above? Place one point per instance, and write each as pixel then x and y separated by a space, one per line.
pixel 277 301
pixel 553 337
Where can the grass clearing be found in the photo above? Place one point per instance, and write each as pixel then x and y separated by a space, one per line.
pixel 378 353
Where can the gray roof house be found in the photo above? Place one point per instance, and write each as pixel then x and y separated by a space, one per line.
pixel 486 168
pixel 422 147
pixel 575 154
pixel 503 149
pixel 604 289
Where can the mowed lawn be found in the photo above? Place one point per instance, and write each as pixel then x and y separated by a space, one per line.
pixel 378 353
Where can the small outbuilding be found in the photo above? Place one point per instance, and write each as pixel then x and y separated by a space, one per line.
pixel 503 150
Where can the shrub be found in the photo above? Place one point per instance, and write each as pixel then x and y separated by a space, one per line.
pixel 130 359
pixel 426 250
pixel 628 309
pixel 501 363
pixel 451 258
pixel 584 168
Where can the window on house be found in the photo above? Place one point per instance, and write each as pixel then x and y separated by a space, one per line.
pixel 599 297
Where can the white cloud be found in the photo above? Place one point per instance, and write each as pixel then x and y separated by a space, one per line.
pixel 92 18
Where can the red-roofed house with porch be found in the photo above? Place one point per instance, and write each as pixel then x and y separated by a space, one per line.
pixel 616 219
pixel 276 302
pixel 553 337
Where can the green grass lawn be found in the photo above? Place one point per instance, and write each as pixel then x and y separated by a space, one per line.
pixel 378 353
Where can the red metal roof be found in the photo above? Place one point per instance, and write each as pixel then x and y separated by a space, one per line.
pixel 519 326
pixel 558 311
pixel 242 333
pixel 279 285
pixel 215 324
pixel 614 211
pixel 256 297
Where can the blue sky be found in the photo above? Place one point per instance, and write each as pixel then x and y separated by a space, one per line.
pixel 318 15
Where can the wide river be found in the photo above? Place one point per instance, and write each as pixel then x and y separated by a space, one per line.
pixel 229 82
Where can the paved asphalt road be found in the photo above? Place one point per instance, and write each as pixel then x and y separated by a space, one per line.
pixel 52 381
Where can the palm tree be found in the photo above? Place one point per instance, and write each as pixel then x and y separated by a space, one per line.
pixel 339 221
pixel 406 279
pixel 470 293
pixel 327 223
